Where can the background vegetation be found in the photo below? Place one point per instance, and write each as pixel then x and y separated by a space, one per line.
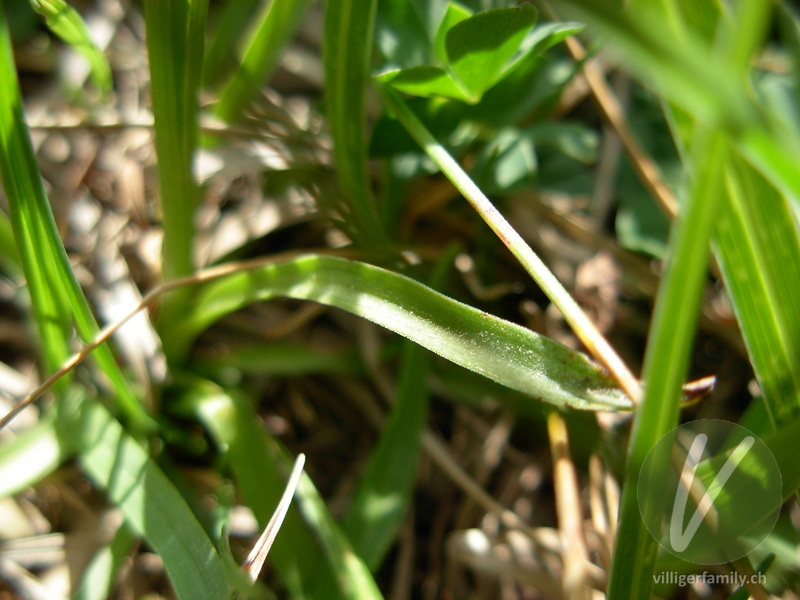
pixel 274 194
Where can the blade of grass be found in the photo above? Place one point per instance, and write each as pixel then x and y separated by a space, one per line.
pixel 758 245
pixel 56 296
pixel 99 576
pixel 152 506
pixel 349 26
pixel 381 498
pixel 175 49
pixel 574 315
pixel 66 23
pixel 221 49
pixel 32 455
pixel 497 349
pixel 674 322
pixel 273 29
pixel 259 464
pixel 476 340
pixel 666 360
pixel 383 493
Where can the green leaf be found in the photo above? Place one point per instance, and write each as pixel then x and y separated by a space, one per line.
pixel 479 49
pixel 455 14
pixel 758 245
pixel 425 81
pixel 100 575
pixel 56 296
pixel 381 499
pixel 260 467
pixel 383 494
pixel 347 57
pixel 497 349
pixel 32 455
pixel 273 29
pixel 66 23
pixel 152 506
pixel 175 47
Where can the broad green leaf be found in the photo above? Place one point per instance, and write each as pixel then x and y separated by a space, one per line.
pixel 506 163
pixel 402 29
pixel 260 467
pixel 425 81
pixel 273 29
pixel 548 35
pixel 56 296
pixel 66 23
pixel 480 48
pixel 497 349
pixel 152 506
pixel 347 57
pixel 455 14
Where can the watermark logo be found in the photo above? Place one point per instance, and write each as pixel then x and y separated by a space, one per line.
pixel 718 499
pixel 732 579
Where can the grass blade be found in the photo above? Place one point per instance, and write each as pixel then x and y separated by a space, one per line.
pixel 758 244
pixel 497 349
pixel 56 296
pixel 257 463
pixel 66 23
pixel 98 579
pixel 175 49
pixel 31 456
pixel 273 30
pixel 152 506
pixel 381 499
pixel 349 28
pixel 669 343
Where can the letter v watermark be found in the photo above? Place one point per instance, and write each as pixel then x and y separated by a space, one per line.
pixel 680 539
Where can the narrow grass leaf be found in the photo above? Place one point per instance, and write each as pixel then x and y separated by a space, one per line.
pixel 273 29
pixel 347 56
pixel 383 493
pixel 497 349
pixel 67 23
pixel 353 578
pixel 260 468
pixel 669 343
pixel 758 246
pixel 175 50
pixel 32 455
pixel 56 296
pixel 101 573
pixel 152 506
pixel 381 499
pixel 221 50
